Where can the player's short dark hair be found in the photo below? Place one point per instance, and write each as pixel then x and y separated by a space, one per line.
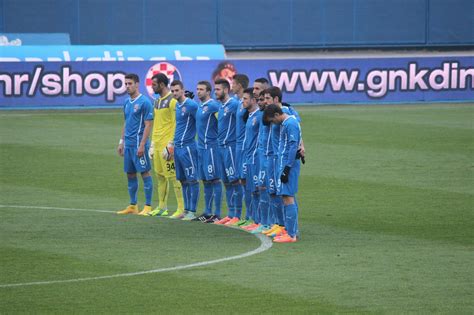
pixel 161 78
pixel 223 82
pixel 274 91
pixel 242 79
pixel 207 84
pixel 262 80
pixel 249 91
pixel 177 82
pixel 132 76
pixel 269 112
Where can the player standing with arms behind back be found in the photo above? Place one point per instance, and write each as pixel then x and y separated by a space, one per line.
pixel 185 157
pixel 239 84
pixel 226 140
pixel 134 144
pixel 208 153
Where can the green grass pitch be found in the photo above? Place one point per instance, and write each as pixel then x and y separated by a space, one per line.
pixel 386 217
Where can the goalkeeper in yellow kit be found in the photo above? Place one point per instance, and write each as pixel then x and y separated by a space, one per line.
pixel 161 149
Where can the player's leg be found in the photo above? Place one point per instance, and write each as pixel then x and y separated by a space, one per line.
pixel 291 221
pixel 257 198
pixel 178 190
pixel 143 165
pixel 188 159
pixel 129 169
pixel 247 193
pixel 181 177
pixel 226 173
pixel 288 191
pixel 148 189
pixel 205 168
pixel 209 174
pixel 264 196
pixel 252 221
pixel 276 203
pixel 216 181
pixel 159 164
pixel 238 187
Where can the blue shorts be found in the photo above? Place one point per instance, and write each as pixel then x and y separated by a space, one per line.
pixel 134 164
pixel 253 170
pixel 262 172
pixel 227 160
pixel 185 163
pixel 271 174
pixel 240 162
pixel 209 166
pixel 291 187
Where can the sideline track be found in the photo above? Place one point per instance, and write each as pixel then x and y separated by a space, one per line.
pixel 265 244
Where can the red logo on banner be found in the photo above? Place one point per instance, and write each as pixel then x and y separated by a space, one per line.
pixel 163 67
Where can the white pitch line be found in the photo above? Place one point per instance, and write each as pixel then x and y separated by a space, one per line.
pixel 265 244
pixel 55 208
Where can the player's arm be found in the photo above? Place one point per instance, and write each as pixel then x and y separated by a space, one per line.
pixel 298 118
pixel 301 148
pixel 121 145
pixel 292 145
pixel 148 113
pixel 154 110
pixel 173 120
pixel 146 134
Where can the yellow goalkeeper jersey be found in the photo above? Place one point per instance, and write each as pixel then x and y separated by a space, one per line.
pixel 164 122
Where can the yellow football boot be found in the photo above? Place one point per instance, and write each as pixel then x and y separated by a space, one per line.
pixel 131 209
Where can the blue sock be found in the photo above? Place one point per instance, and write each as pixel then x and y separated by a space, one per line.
pixel 194 187
pixel 229 195
pixel 208 197
pixel 217 187
pixel 132 190
pixel 186 194
pixel 248 204
pixel 277 207
pixel 148 188
pixel 239 193
pixel 265 207
pixel 255 207
pixel 291 219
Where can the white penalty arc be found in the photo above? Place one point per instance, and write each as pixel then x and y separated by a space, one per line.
pixel 265 244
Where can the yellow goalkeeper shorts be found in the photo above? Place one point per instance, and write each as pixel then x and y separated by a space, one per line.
pixel 161 166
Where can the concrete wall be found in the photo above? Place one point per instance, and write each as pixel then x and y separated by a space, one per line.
pixel 248 24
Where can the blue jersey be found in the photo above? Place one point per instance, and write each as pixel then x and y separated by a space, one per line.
pixel 185 131
pixel 265 145
pixel 251 135
pixel 275 137
pixel 292 111
pixel 240 125
pixel 290 138
pixel 136 112
pixel 226 122
pixel 206 123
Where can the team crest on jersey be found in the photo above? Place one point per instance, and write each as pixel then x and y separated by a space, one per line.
pixel 163 67
pixel 254 121
pixel 226 109
pixel 183 111
pixel 204 109
pixel 135 108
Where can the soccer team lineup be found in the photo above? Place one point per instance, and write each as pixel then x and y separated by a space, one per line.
pixel 241 141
